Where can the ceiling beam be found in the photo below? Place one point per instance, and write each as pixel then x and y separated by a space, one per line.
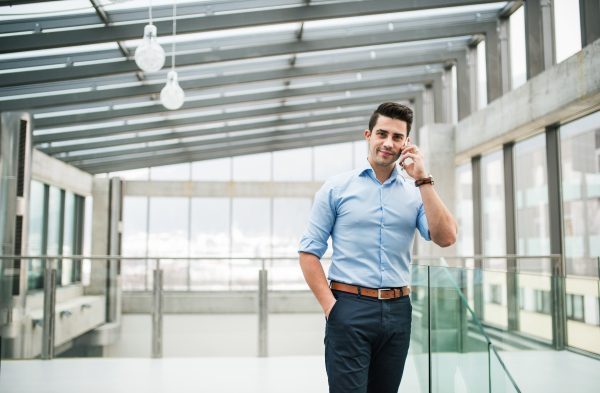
pixel 196 84
pixel 222 117
pixel 112 114
pixel 304 13
pixel 23 78
pixel 357 126
pixel 247 148
pixel 279 123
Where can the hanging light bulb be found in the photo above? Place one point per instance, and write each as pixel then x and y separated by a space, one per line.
pixel 150 56
pixel 172 95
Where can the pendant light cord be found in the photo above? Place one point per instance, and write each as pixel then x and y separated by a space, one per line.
pixel 150 11
pixel 174 30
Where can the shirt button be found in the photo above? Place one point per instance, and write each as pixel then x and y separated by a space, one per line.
pixel 382 269
pixel 382 247
pixel 382 205
pixel 383 225
pixel 382 186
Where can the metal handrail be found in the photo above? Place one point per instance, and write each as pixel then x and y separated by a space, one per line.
pixel 436 258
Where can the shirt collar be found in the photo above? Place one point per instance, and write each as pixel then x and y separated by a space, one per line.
pixel 366 166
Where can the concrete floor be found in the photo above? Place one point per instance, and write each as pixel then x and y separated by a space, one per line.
pixel 539 371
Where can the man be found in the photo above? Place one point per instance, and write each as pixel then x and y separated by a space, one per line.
pixel 371 214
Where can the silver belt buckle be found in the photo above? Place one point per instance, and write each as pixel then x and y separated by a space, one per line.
pixel 379 293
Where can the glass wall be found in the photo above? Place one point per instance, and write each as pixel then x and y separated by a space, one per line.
pixel 55 218
pixel 494 239
pixel 580 161
pixel 532 197
pixel 464 209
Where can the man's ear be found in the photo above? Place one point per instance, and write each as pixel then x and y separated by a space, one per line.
pixel 368 135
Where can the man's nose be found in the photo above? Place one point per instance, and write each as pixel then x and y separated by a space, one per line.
pixel 388 142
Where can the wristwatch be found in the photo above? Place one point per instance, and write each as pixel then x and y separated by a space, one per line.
pixel 426 180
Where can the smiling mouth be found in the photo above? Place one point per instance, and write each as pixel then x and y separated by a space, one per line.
pixel 386 153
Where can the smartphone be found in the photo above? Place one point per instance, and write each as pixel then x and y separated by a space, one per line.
pixel 402 163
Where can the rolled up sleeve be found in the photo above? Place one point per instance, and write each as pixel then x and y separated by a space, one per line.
pixel 322 218
pixel 422 223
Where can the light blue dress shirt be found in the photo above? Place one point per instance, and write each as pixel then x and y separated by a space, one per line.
pixel 372 227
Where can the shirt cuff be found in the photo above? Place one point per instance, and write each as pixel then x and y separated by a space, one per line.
pixel 312 247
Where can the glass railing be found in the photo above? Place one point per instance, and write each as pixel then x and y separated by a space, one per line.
pixel 473 317
pixel 450 348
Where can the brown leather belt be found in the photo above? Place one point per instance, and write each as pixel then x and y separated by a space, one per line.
pixel 382 293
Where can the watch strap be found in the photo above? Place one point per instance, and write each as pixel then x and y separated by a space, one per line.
pixel 425 180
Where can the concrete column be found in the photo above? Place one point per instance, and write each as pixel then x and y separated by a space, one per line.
pixel 539 36
pixel 100 240
pixel 439 114
pixel 436 141
pixel 493 64
pixel 477 235
pixel 504 50
pixel 113 300
pixel 428 111
pixel 555 208
pixel 510 210
pixel 448 95
pixel 473 80
pixel 463 86
pixel 589 12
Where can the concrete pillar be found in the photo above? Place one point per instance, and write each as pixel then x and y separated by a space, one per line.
pixel 589 12
pixel 463 88
pixel 439 113
pixel 428 111
pixel 473 80
pixel 510 209
pixel 106 240
pixel 448 94
pixel 539 36
pixel 493 64
pixel 477 236
pixel 504 51
pixel 555 209
pixel 436 141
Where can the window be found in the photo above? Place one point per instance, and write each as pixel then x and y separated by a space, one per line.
pixel 575 309
pixel 533 228
pixel 495 294
pixel 542 301
pixel 55 228
pixel 492 193
pixel 464 209
pixel 580 153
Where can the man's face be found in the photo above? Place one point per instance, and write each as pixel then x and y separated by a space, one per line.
pixel 386 140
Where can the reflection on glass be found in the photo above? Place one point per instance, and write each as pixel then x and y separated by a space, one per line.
pixel 580 161
pixel 210 226
pixel 68 239
pixel 134 243
pixel 36 240
pixel 459 358
pixel 534 305
pixel 583 313
pixel 464 209
pixel 533 227
pixel 492 192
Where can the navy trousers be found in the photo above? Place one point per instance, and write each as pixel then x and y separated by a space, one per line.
pixel 366 343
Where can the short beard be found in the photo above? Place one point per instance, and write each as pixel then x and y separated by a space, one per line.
pixel 385 163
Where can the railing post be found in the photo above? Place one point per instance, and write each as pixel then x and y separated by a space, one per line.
pixel 157 312
pixel 49 309
pixel 262 312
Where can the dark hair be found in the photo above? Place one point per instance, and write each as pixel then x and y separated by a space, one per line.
pixel 393 111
